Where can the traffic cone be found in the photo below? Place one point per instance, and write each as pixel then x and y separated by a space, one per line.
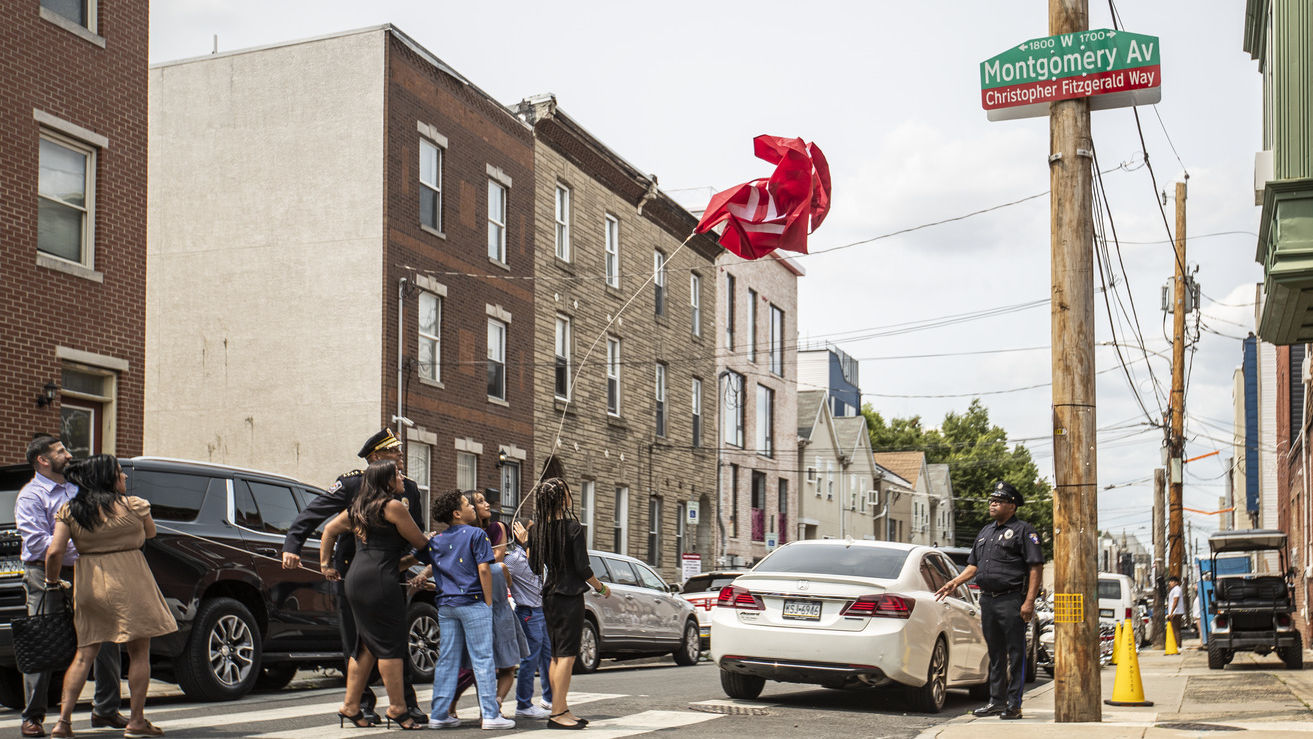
pixel 1127 690
pixel 1171 641
pixel 1116 645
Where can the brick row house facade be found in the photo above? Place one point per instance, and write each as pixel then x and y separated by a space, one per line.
pixel 72 224
pixel 363 259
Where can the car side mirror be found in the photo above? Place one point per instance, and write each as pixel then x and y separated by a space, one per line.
pixel 674 589
pixel 1292 573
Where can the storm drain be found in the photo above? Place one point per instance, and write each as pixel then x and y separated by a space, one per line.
pixel 730 709
pixel 1198 727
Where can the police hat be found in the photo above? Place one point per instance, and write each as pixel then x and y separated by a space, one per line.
pixel 1005 493
pixel 384 439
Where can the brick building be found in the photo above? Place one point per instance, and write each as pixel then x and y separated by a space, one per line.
pixel 637 426
pixel 73 223
pixel 357 190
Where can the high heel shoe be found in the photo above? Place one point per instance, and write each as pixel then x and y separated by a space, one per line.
pixel 358 721
pixel 552 723
pixel 403 722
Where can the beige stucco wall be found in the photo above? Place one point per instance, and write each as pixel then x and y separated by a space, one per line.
pixel 821 491
pixel 264 305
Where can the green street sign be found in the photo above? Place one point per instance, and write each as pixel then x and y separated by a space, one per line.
pixel 1113 68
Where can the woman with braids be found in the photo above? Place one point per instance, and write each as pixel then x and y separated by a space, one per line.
pixel 557 548
pixel 114 594
pixel 381 522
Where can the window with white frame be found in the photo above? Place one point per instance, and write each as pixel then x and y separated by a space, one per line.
pixel 752 325
pixel 731 413
pixel 697 412
pixel 497 193
pixel 654 531
pixel 430 184
pixel 612 251
pixel 496 359
pixel 613 375
pixel 777 340
pixel 562 222
pixel 829 479
pixel 729 311
pixel 467 471
pixel 695 302
pixel 620 532
pixel 765 421
pixel 430 336
pixel 660 396
pixel 81 12
pixel 659 281
pixel 419 457
pixel 562 383
pixel 681 513
pixel 65 198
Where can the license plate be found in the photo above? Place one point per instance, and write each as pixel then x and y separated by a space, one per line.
pixel 803 610
pixel 1105 613
pixel 11 566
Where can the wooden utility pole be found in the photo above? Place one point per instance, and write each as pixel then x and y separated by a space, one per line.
pixel 1175 542
pixel 1075 495
pixel 1159 565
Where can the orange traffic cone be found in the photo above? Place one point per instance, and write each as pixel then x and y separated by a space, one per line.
pixel 1116 645
pixel 1127 689
pixel 1171 640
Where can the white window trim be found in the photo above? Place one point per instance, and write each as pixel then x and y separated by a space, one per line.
pixel 613 373
pixel 564 353
pixel 436 338
pixel 697 410
pixel 86 267
pixel 89 32
pixel 659 279
pixel 611 244
pixel 501 257
pixel 476 456
pixel 588 497
pixel 659 396
pixel 441 148
pixel 695 302
pixel 505 330
pixel 621 519
pixel 561 217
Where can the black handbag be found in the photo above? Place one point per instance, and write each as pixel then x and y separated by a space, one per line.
pixel 45 642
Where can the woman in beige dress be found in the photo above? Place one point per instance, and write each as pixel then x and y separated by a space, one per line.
pixel 115 598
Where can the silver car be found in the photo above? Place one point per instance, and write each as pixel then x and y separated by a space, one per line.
pixel 643 617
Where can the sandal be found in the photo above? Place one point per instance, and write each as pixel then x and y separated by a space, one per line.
pixel 404 721
pixel 359 721
pixel 552 723
pixel 149 731
pixel 62 728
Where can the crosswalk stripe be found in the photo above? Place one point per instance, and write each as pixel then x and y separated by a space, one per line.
pixel 637 723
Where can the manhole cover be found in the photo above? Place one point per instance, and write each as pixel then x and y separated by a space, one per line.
pixel 1198 727
pixel 729 709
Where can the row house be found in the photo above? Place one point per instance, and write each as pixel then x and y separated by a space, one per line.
pixel 756 395
pixel 625 386
pixel 827 367
pixel 941 521
pixel 363 258
pixel 73 224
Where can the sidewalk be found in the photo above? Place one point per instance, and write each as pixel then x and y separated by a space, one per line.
pixel 1253 693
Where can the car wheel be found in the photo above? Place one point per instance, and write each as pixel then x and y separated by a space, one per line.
pixel 423 641
pixel 691 649
pixel 590 652
pixel 1216 656
pixel 276 677
pixel 11 688
pixel 1293 656
pixel 929 698
pixel 738 685
pixel 222 658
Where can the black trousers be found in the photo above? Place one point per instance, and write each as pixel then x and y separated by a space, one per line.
pixel 1005 635
pixel 348 631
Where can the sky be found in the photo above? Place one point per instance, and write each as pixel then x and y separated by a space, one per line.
pixel 890 92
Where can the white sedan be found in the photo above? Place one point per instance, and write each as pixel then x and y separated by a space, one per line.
pixel 843 613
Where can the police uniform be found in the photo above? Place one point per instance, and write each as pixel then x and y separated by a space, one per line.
pixel 1003 555
pixel 334 501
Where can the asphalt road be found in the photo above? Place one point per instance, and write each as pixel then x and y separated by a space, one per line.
pixel 622 699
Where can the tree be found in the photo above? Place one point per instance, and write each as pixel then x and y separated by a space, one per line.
pixel 977 455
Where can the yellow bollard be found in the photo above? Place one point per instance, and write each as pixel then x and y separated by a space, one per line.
pixel 1127 689
pixel 1171 640
pixel 1116 645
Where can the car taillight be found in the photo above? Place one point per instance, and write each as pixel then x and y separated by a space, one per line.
pixel 1283 620
pixel 887 605
pixel 739 598
pixel 1220 622
pixel 1128 614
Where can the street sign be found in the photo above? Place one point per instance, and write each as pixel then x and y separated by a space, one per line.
pixel 691 565
pixel 1114 69
pixel 693 514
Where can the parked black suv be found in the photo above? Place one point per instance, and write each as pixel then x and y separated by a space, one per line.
pixel 243 621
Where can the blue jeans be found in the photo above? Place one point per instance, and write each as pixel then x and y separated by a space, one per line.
pixel 465 629
pixel 539 659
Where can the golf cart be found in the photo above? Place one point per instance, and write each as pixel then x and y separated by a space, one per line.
pixel 1251 612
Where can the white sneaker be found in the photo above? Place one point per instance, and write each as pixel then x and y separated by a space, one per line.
pixel 499 722
pixel 449 722
pixel 546 705
pixel 533 712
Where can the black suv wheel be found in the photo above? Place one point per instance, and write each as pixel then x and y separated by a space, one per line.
pixel 222 658
pixel 590 650
pixel 422 637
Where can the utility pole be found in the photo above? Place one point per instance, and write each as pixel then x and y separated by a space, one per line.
pixel 1077 695
pixel 1175 544
pixel 1159 490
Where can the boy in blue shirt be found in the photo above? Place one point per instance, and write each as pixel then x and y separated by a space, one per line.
pixel 462 558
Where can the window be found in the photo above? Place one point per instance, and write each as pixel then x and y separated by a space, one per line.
pixel 836 559
pixel 654 532
pixel 87 410
pixel 660 399
pixel 621 571
pixel 752 325
pixel 430 336
pixel 729 311
pixel 430 184
pixel 732 410
pixel 276 506
pixel 697 412
pixel 510 489
pixel 419 459
pixel 467 471
pixel 562 222
pixel 244 511
pixel 599 568
pixel 765 421
pixel 587 500
pixel 620 538
pixel 172 497
pixel 649 579
pixel 659 281
pixel 496 359
pixel 777 341
pixel 81 12
pixel 734 500
pixel 65 194
pixel 681 513
pixel 562 357
pixel 612 251
pixel 757 500
pixel 612 376
pixel 783 507
pixel 695 302
pixel 829 479
pixel 496 221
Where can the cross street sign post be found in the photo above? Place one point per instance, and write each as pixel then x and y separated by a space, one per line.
pixel 1115 69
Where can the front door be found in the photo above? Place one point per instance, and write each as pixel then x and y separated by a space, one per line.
pixel 659 614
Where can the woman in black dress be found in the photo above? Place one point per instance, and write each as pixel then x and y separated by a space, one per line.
pixel 381 523
pixel 557 548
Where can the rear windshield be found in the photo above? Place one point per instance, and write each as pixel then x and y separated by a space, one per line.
pixel 1111 589
pixel 836 559
pixel 707 583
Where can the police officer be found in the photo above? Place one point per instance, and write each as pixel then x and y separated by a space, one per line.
pixel 1007 563
pixel 383 445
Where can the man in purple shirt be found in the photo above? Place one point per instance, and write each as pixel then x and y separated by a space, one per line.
pixel 34 513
